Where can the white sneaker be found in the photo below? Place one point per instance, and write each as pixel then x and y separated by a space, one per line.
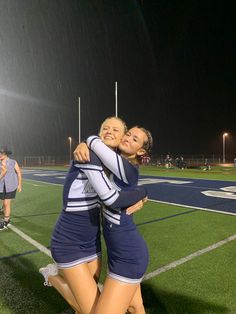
pixel 49 270
pixel 4 224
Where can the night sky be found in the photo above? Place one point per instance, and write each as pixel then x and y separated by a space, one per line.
pixel 173 61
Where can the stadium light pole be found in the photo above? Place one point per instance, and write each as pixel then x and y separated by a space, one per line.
pixel 70 140
pixel 224 136
pixel 116 100
pixel 79 126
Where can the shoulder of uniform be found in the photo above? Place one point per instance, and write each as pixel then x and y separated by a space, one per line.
pixel 94 160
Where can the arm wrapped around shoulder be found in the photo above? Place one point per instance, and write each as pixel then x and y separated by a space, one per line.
pixel 129 197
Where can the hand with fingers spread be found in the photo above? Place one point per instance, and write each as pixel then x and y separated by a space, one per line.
pixel 134 208
pixel 81 153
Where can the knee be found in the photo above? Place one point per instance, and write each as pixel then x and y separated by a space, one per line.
pixel 6 203
pixel 136 308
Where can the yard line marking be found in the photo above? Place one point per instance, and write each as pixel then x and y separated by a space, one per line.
pixel 194 207
pixel 45 183
pixel 47 174
pixel 188 258
pixel 155 273
pixel 23 235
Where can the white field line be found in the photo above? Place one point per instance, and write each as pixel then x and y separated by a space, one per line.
pixel 43 182
pixel 159 270
pixel 24 236
pixel 194 207
pixel 189 257
pixel 155 273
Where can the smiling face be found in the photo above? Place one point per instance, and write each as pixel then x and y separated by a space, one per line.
pixel 111 132
pixel 132 143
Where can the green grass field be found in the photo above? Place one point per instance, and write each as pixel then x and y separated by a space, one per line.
pixel 203 284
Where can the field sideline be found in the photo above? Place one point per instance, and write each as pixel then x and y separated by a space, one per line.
pixel 192 259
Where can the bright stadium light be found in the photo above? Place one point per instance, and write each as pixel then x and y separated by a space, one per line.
pixel 70 140
pixel 224 136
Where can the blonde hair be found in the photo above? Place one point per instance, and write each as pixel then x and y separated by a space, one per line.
pixel 117 118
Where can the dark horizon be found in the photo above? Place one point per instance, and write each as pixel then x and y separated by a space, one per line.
pixel 172 60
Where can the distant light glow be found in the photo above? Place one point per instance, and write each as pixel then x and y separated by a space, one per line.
pixel 70 140
pixel 26 98
pixel 224 150
pixel 17 96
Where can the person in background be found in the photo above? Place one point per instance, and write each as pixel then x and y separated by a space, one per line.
pixel 168 161
pixel 3 171
pixel 9 184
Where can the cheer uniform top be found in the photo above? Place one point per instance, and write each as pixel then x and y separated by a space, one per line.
pixel 76 236
pixel 126 249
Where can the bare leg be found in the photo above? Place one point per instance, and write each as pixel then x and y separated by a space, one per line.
pixel 83 287
pixel 60 284
pixel 7 208
pixel 95 268
pixel 115 297
pixel 136 304
pixel 62 287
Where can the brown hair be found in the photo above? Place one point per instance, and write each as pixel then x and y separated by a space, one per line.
pixel 147 145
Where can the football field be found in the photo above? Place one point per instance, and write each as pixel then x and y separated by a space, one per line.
pixel 189 224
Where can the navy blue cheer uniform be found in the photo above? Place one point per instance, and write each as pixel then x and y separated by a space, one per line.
pixel 76 236
pixel 126 249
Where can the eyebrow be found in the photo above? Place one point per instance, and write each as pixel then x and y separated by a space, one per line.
pixel 136 137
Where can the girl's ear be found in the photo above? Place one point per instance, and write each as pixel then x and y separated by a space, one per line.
pixel 141 152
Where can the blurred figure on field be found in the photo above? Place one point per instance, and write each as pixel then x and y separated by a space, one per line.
pixel 182 163
pixel 177 162
pixel 9 184
pixel 168 161
pixel 145 160
pixel 207 165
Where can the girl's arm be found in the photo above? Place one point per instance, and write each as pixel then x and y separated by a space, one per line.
pixel 19 176
pixel 103 187
pixel 3 170
pixel 81 153
pixel 118 165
